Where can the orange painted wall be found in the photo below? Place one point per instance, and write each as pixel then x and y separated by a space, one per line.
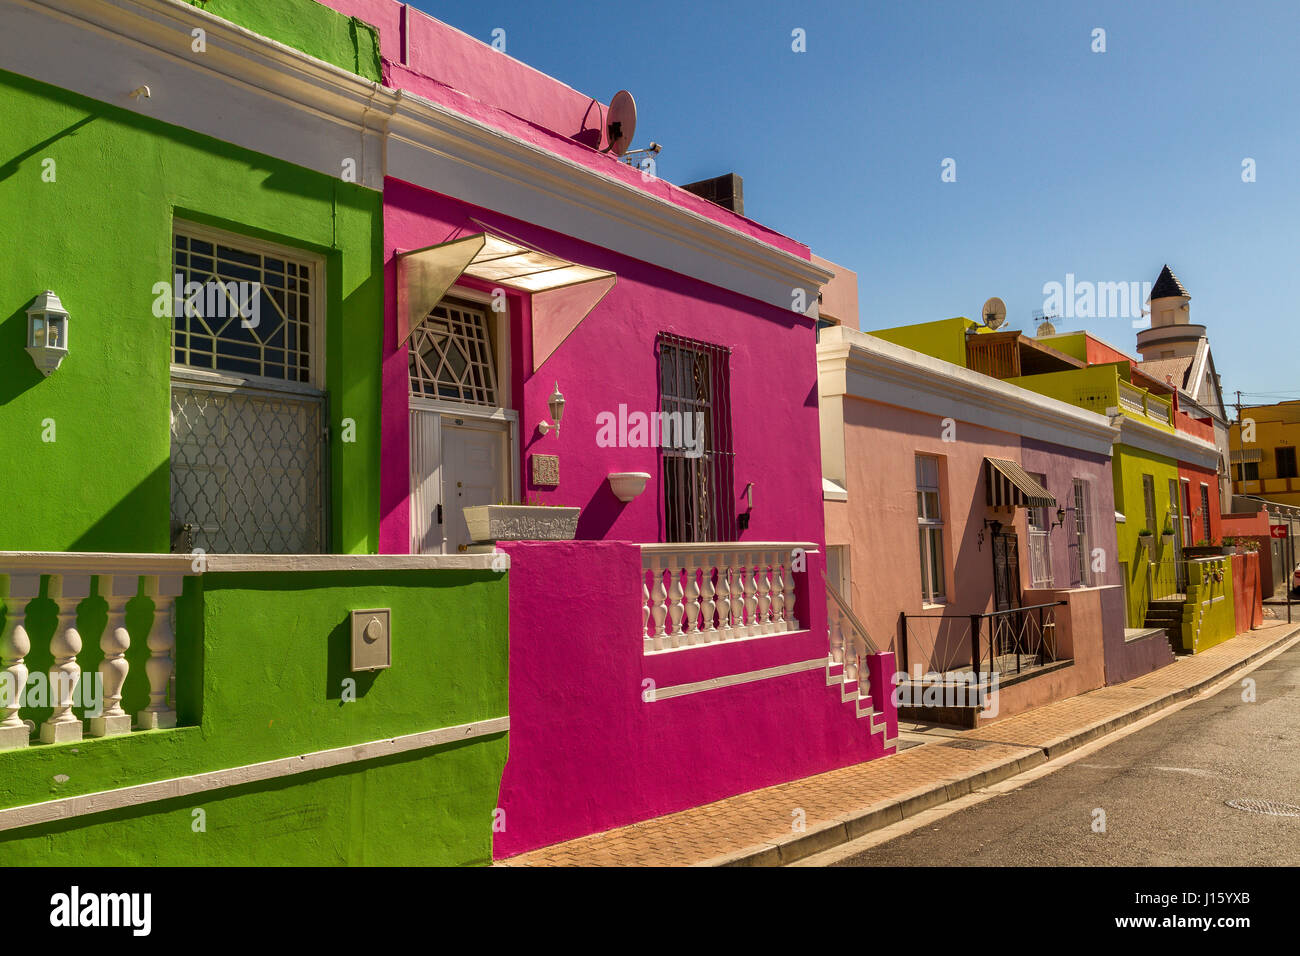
pixel 1197 477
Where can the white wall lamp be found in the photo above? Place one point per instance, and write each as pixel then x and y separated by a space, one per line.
pixel 556 404
pixel 47 332
pixel 742 520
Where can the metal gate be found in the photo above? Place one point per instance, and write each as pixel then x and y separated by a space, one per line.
pixel 247 470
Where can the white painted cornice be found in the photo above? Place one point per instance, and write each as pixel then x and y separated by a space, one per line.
pixel 858 365
pixel 244 89
pixel 270 98
pixel 441 150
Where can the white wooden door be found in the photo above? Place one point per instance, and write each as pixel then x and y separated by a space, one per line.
pixel 474 472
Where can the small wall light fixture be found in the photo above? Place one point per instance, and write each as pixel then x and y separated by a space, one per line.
pixel 47 332
pixel 556 404
pixel 742 520
pixel 1060 516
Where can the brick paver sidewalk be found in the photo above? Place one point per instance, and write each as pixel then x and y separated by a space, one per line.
pixel 756 828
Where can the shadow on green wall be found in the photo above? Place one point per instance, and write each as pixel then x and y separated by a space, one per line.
pixel 12 165
pixel 140 522
pixel 18 372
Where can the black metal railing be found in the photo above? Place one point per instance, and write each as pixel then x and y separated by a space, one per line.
pixel 1002 642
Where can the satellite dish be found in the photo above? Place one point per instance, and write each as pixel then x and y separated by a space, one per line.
pixel 994 312
pixel 620 123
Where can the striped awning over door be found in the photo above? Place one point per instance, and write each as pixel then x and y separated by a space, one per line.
pixel 1009 485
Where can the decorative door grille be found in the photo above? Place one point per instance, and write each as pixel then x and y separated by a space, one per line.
pixel 246 470
pixel 698 488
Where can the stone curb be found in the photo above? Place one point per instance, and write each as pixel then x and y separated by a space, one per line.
pixel 878 816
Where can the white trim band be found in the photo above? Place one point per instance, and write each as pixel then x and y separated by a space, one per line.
pixel 68 807
pixel 731 680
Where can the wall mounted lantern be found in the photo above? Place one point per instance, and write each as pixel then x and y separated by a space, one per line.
pixel 1060 516
pixel 47 332
pixel 556 404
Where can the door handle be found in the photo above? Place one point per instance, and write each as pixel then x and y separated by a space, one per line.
pixel 439 512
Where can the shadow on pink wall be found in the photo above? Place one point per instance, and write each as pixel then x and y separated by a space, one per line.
pixel 589 751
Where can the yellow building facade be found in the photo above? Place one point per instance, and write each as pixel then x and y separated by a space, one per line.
pixel 1265 452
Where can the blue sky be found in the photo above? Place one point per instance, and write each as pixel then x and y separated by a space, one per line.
pixel 1103 165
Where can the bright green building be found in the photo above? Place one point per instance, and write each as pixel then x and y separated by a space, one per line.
pixel 204 205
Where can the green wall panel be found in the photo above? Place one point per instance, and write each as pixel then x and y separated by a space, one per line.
pixel 99 235
pixel 261 661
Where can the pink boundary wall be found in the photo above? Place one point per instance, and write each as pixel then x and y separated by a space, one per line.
pixel 589 753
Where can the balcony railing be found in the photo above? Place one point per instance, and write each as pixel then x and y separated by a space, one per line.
pixel 1001 642
pixel 695 594
pixel 120 577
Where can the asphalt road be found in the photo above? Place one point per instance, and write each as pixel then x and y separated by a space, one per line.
pixel 1163 789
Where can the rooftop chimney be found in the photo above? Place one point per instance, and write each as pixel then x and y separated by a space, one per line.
pixel 727 191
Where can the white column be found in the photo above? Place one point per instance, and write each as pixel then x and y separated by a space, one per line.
pixel 693 598
pixel 163 589
pixel 645 612
pixel 117 590
pixel 67 591
pixel 792 620
pixel 764 595
pixel 752 626
pixel 15 645
pixel 675 608
pixel 710 606
pixel 658 609
pixel 778 594
pixel 724 595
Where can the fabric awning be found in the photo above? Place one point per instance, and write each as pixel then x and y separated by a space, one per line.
pixel 563 292
pixel 1009 485
pixel 1247 454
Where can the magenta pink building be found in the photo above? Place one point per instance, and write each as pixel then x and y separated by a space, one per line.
pixel 676 652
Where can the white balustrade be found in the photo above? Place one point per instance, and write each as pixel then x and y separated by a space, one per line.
pixel 718 591
pixel 69 577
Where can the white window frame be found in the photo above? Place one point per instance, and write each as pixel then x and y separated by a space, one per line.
pixel 1082 490
pixel 931 596
pixel 1038 523
pixel 316 321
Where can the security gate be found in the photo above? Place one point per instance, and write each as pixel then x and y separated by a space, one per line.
pixel 246 470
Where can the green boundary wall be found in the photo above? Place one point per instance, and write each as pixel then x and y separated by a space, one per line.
pixel 262 662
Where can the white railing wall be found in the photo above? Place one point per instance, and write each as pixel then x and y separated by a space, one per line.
pixel 705 593
pixel 70 574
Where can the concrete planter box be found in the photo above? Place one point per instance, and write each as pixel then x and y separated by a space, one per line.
pixel 1206 551
pixel 521 523
pixel 1148 541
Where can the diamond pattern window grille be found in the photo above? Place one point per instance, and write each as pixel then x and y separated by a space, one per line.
pixel 270 338
pixel 246 470
pixel 451 356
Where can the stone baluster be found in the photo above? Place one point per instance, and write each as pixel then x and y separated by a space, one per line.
pixel 835 628
pixel 658 594
pixel 117 590
pixel 778 595
pixel 163 589
pixel 675 607
pixel 645 613
pixel 693 598
pixel 752 626
pixel 709 605
pixel 15 645
pixel 67 591
pixel 792 619
pixel 724 596
pixel 764 595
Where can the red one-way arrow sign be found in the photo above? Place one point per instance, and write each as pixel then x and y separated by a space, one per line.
pixel 1277 530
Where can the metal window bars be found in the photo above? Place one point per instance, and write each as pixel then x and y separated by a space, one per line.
pixel 451 356
pixel 247 470
pixel 696 454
